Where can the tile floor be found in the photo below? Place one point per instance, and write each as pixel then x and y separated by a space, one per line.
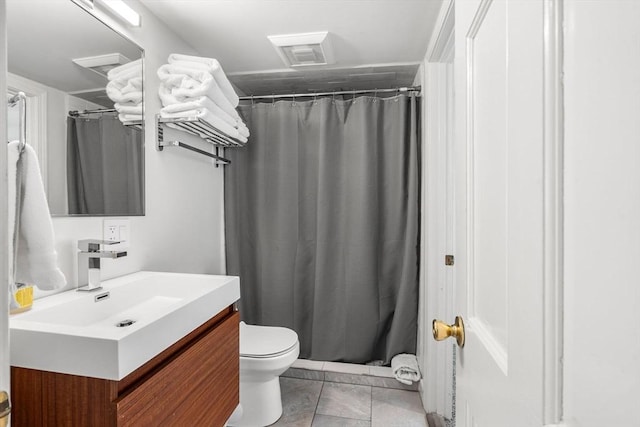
pixel 314 403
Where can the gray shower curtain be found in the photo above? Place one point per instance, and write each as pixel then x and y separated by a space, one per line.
pixel 105 167
pixel 322 217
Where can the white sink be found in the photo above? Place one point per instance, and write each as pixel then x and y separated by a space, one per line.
pixel 72 333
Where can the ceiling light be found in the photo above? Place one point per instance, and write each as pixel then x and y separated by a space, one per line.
pixel 123 10
pixel 101 64
pixel 305 49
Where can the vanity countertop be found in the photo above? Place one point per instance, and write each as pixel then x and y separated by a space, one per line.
pixel 78 333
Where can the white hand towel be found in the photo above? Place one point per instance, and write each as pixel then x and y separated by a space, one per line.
pixel 214 67
pixel 135 66
pixel 206 115
pixel 36 257
pixel 405 368
pixel 186 83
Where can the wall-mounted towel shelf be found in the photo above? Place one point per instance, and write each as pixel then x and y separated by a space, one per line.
pixel 200 128
pixel 136 124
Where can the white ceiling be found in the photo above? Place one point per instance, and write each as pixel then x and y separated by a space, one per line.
pixel 377 43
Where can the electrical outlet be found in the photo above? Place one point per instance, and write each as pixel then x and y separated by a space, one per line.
pixel 116 230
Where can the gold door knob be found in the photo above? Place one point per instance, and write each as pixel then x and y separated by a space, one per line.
pixel 5 408
pixel 442 331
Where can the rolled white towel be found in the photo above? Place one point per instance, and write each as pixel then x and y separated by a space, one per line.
pixel 128 69
pixel 36 257
pixel 183 83
pixel 405 368
pixel 244 130
pixel 207 116
pixel 123 117
pixel 122 94
pixel 214 68
pixel 202 102
pixel 128 107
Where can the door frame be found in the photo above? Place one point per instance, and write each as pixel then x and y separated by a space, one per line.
pixel 438 389
pixel 553 287
pixel 4 231
pixel 437 239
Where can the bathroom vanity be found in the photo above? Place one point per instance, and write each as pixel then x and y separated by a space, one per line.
pixel 58 377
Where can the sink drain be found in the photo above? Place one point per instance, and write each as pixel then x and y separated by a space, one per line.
pixel 126 322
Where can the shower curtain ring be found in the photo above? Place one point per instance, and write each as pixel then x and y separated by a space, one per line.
pixel 315 98
pixel 252 102
pixel 273 99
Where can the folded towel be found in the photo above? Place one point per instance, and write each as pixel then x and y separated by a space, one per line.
pixel 123 117
pixel 133 84
pixel 243 130
pixel 128 108
pixel 125 69
pixel 209 117
pixel 214 67
pixel 405 368
pixel 122 94
pixel 203 102
pixel 33 240
pixel 183 83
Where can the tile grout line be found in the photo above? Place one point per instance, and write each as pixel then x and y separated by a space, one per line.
pixel 315 411
pixel 371 407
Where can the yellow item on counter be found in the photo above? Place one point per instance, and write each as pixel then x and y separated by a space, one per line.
pixel 24 297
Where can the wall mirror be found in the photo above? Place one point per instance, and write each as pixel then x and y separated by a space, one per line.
pixel 84 123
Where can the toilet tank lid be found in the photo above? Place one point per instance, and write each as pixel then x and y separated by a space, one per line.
pixel 265 341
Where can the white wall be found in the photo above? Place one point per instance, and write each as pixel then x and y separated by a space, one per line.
pixel 183 226
pixel 602 213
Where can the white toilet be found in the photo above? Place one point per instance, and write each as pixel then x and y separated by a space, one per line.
pixel 265 353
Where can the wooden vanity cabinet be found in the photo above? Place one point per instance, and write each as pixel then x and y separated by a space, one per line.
pixel 195 382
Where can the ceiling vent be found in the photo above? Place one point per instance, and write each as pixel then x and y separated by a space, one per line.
pixel 101 64
pixel 304 50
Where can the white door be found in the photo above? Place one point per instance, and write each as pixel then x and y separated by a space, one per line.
pixel 500 176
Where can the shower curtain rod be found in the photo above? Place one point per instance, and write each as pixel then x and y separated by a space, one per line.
pixel 76 113
pixel 341 92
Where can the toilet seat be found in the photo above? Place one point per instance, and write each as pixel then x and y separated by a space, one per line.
pixel 266 341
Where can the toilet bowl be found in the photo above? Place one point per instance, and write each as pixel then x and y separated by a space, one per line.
pixel 265 353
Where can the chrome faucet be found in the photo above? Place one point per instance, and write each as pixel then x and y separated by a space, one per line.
pixel 89 262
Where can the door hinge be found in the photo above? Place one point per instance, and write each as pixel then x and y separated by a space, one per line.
pixel 449 260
